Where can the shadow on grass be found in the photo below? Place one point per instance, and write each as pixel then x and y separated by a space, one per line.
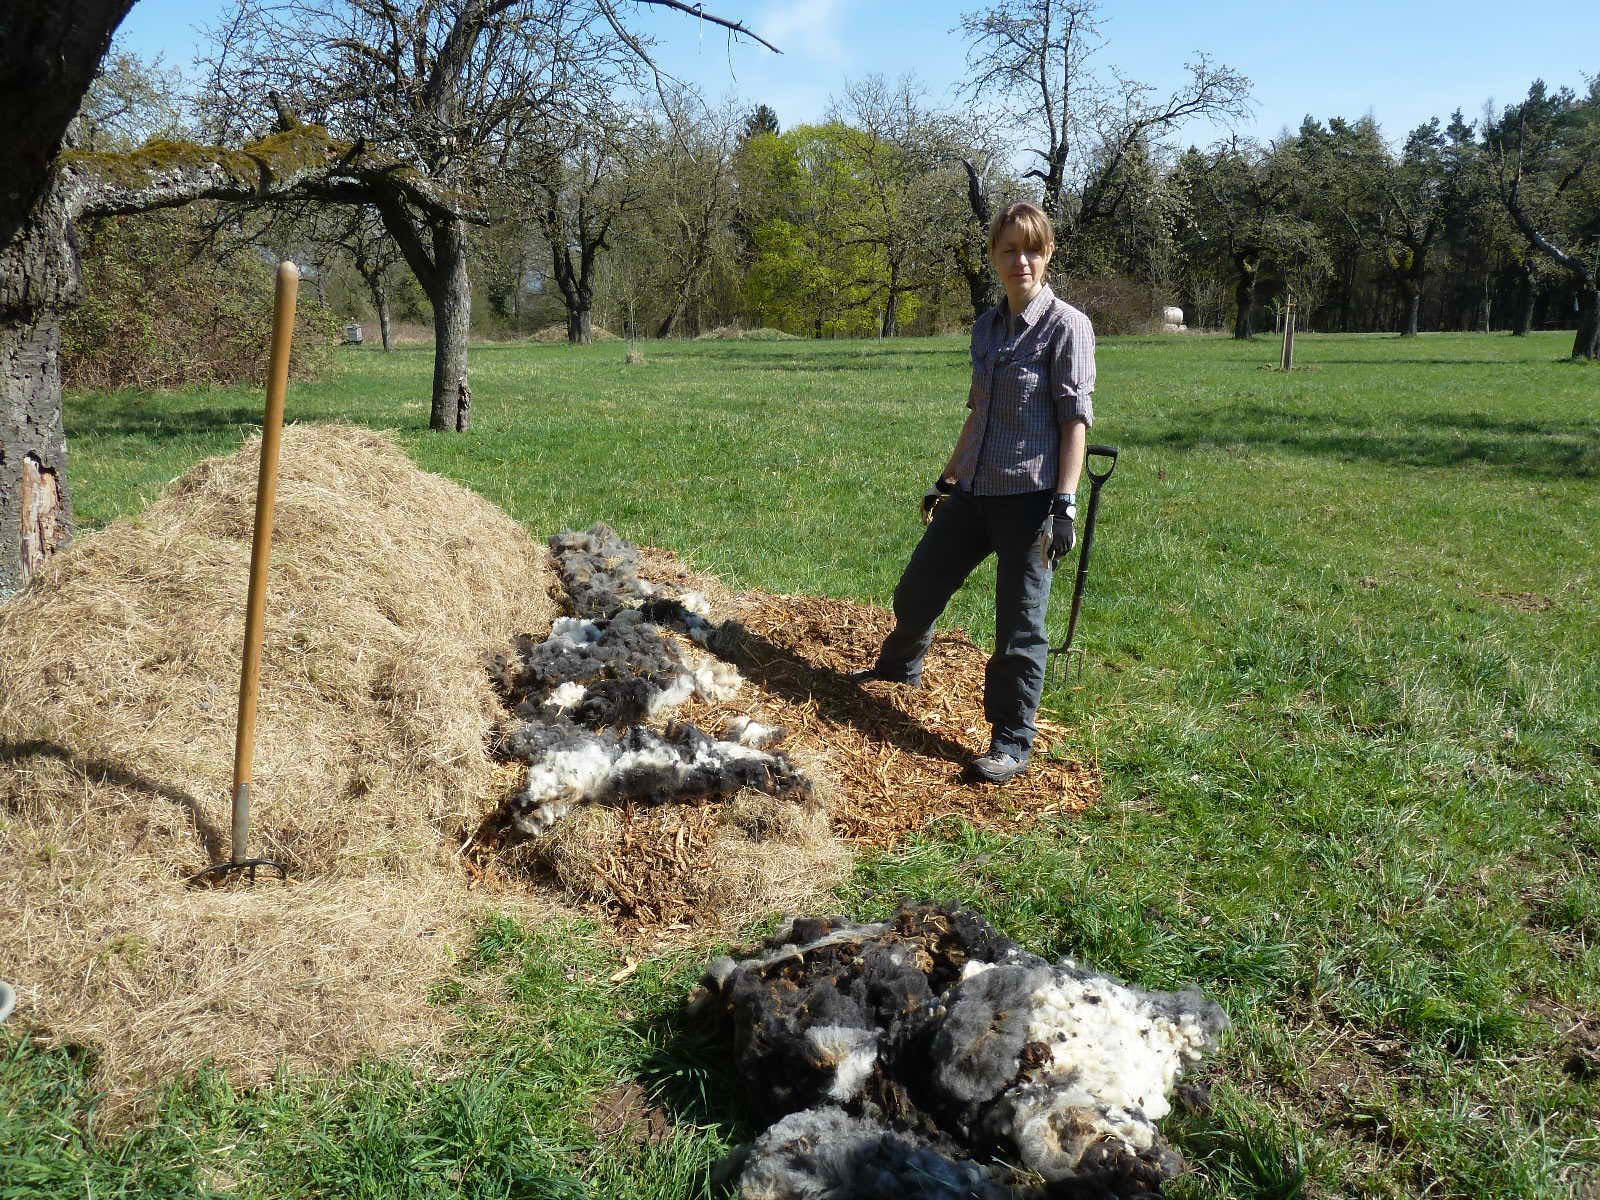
pixel 689 1071
pixel 17 754
pixel 1546 449
pixel 780 670
pixel 155 418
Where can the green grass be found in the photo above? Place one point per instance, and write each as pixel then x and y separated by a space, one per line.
pixel 1351 757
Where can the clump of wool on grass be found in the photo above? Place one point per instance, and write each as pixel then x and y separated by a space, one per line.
pixel 930 1045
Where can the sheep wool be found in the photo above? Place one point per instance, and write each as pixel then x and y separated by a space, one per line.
pixel 570 765
pixel 937 1033
pixel 620 668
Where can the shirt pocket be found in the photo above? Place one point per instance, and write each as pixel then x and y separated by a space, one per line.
pixel 1023 377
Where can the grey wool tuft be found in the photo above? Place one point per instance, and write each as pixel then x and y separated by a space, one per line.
pixel 931 1056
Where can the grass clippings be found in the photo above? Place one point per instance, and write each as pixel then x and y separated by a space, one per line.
pixel 732 333
pixel 119 674
pixel 558 333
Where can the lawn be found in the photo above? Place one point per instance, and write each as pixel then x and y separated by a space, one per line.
pixel 1343 683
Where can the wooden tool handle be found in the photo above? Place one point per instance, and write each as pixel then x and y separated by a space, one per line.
pixel 288 288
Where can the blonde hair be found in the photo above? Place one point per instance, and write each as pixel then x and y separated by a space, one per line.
pixel 1030 221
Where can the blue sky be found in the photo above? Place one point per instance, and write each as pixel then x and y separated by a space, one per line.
pixel 1401 62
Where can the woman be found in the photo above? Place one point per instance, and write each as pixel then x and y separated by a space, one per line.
pixel 1009 489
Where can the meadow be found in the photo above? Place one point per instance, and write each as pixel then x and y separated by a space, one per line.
pixel 1342 682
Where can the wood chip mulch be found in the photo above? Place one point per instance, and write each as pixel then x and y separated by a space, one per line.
pixel 888 759
pixel 894 755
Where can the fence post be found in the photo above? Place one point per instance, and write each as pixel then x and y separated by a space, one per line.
pixel 1288 335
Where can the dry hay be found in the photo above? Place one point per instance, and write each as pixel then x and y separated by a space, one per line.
pixel 732 333
pixel 558 333
pixel 118 685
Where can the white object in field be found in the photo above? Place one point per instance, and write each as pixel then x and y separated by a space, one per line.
pixel 8 1000
pixel 352 334
pixel 1172 315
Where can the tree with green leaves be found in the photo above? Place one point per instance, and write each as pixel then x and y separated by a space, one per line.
pixel 1240 215
pixel 1545 152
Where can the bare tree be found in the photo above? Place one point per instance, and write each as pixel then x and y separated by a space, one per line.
pixel 447 88
pixel 359 233
pixel 49 53
pixel 583 183
pixel 1033 58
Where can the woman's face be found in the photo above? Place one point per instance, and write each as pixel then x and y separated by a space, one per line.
pixel 1019 267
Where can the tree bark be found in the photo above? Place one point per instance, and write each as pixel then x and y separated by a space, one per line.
pixel 35 506
pixel 451 294
pixel 1529 296
pixel 380 302
pixel 1587 342
pixel 1244 295
pixel 39 283
pixel 1413 293
pixel 580 325
pixel 664 330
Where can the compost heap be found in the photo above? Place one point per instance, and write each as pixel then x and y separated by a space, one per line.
pixel 119 672
pixel 929 1056
pixel 652 817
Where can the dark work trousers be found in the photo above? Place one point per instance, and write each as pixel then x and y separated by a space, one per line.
pixel 966 529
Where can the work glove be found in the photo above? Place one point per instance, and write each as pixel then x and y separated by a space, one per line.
pixel 934 497
pixel 1063 534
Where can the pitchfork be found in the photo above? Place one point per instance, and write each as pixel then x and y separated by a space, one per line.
pixel 255 619
pixel 1055 665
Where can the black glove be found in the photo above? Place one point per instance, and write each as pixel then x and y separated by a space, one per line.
pixel 935 496
pixel 1063 529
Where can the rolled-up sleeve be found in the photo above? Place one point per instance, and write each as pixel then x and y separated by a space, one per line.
pixel 1072 371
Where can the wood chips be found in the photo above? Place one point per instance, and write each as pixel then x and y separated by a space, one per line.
pixel 887 761
pixel 893 754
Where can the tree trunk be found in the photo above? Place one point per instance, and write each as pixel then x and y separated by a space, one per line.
pixel 380 306
pixel 679 301
pixel 1530 295
pixel 451 295
pixel 35 508
pixel 1244 292
pixel 380 298
pixel 39 282
pixel 1587 342
pixel 891 316
pixel 980 289
pixel 580 325
pixel 1413 292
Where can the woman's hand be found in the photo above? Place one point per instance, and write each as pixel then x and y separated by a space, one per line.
pixel 1063 529
pixel 932 498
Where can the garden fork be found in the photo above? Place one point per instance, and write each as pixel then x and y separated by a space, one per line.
pixel 1055 664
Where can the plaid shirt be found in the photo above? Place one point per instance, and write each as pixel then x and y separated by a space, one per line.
pixel 1031 376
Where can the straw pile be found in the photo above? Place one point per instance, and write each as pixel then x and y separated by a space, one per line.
pixel 118 685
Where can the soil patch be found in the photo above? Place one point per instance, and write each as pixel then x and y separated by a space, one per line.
pixel 624 1112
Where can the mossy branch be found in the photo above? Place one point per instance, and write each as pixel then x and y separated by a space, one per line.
pixel 304 160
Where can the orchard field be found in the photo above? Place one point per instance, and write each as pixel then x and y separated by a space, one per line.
pixel 1342 682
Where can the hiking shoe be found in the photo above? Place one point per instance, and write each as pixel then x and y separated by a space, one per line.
pixel 870 674
pixel 997 766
